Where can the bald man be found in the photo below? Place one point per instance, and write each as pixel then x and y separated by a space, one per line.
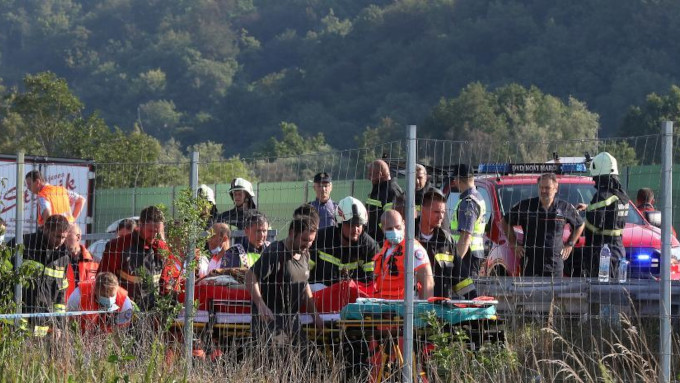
pixel 385 191
pixel 389 270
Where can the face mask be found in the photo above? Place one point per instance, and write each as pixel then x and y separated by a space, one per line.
pixel 216 250
pixel 106 302
pixel 394 236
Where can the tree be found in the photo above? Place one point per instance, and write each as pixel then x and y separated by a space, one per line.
pixel 293 143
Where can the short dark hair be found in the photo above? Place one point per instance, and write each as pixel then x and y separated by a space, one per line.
pixel 547 176
pixel 254 217
pixel 433 195
pixel 105 282
pixel 34 175
pixel 127 224
pixel 151 214
pixel 307 210
pixel 56 223
pixel 301 224
pixel 645 195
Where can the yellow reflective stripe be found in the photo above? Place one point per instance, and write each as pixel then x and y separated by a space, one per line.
pixel 311 264
pixel 374 202
pixel 419 208
pixel 59 308
pixel 463 287
pixel 388 206
pixel 441 257
pixel 609 233
pixel 54 273
pixel 602 203
pixel 331 259
pixel 64 284
pixel 40 331
pixel 369 266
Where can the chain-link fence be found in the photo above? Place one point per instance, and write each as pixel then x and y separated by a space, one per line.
pixel 513 257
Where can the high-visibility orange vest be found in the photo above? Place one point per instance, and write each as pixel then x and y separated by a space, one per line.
pixel 88 302
pixel 390 277
pixel 87 271
pixel 57 196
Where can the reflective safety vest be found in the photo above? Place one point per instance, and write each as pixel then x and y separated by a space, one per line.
pixel 366 266
pixel 57 196
pixel 477 243
pixel 621 215
pixel 248 259
pixel 87 271
pixel 88 302
pixel 390 276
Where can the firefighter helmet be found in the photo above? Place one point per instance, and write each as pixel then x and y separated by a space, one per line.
pixel 604 164
pixel 351 209
pixel 206 192
pixel 241 184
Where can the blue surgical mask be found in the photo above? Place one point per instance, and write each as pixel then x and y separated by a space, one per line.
pixel 106 302
pixel 394 236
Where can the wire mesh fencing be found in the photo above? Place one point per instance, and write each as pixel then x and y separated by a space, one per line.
pixel 299 260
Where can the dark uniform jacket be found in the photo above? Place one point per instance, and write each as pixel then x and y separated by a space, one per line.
pixel 233 217
pixel 330 260
pixel 450 278
pixel 606 218
pixel 47 291
pixel 381 198
pixel 129 257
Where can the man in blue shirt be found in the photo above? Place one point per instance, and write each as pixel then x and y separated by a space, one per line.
pixel 323 202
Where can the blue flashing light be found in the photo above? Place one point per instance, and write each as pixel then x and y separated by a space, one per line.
pixel 643 257
pixel 574 168
pixel 493 168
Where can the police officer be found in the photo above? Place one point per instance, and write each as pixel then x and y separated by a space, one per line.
pixel 241 192
pixel 450 277
pixel 468 221
pixel 385 191
pixel 324 205
pixel 606 214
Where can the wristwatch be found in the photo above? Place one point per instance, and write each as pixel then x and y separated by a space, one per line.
pixel 570 243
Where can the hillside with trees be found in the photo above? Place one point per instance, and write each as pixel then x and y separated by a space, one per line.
pixel 344 73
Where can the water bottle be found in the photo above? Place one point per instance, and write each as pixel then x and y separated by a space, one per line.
pixel 623 270
pixel 605 258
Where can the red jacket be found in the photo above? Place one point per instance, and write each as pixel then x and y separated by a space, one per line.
pixel 88 302
pixel 87 271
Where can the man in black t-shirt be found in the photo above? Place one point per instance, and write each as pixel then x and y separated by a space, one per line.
pixel 278 285
pixel 385 191
pixel 542 219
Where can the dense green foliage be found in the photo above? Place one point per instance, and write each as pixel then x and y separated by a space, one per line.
pixel 231 72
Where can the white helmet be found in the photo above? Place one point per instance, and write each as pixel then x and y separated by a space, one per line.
pixel 241 184
pixel 206 192
pixel 604 164
pixel 351 209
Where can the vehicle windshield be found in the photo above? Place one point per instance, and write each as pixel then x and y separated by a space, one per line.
pixel 509 195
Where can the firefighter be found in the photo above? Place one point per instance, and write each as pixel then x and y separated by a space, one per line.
pixel 241 192
pixel 102 294
pixel 606 214
pixel 385 191
pixel 44 252
pixel 451 279
pixel 138 259
pixel 468 222
pixel 344 251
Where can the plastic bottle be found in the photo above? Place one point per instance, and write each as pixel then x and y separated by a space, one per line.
pixel 623 270
pixel 605 259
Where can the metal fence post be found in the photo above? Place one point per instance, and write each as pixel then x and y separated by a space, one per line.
pixel 407 370
pixel 666 222
pixel 19 231
pixel 189 297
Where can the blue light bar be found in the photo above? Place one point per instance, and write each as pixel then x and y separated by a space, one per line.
pixel 532 168
pixel 493 168
pixel 643 257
